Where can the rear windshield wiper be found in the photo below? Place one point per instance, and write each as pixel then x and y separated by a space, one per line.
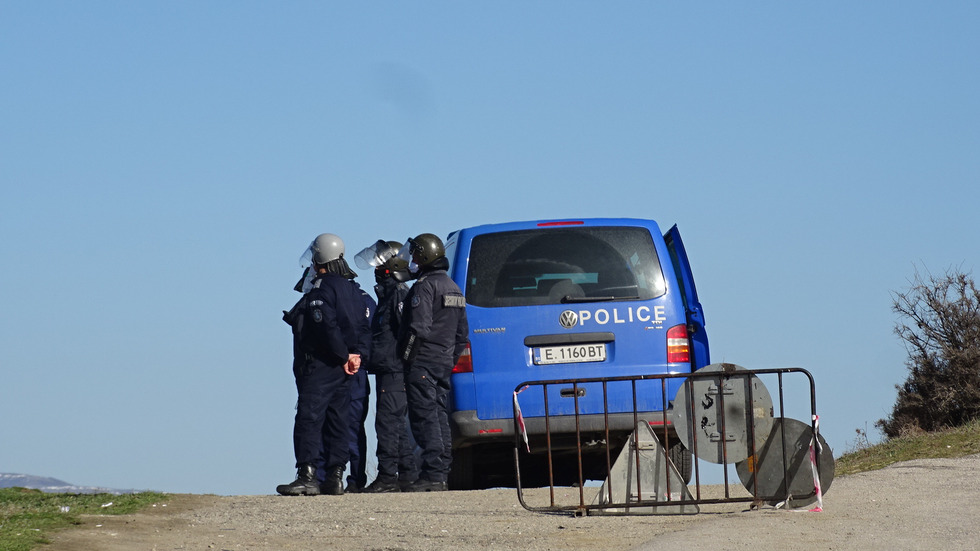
pixel 570 298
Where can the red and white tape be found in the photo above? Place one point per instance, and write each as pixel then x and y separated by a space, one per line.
pixel 520 418
pixel 814 450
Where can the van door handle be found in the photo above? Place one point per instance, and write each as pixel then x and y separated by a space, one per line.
pixel 571 392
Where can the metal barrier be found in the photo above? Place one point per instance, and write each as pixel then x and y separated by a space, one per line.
pixel 722 414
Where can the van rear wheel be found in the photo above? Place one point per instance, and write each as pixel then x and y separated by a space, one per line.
pixel 462 473
pixel 683 460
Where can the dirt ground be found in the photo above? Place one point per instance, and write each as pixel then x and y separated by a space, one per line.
pixel 911 505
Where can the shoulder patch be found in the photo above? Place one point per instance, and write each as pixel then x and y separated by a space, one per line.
pixel 416 301
pixel 454 301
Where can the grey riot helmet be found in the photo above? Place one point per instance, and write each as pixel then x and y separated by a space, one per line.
pixel 325 254
pixel 325 248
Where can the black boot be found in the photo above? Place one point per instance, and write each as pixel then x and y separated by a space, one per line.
pixel 382 485
pixel 334 484
pixel 423 485
pixel 304 485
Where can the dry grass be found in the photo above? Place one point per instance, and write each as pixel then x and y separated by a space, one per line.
pixel 954 442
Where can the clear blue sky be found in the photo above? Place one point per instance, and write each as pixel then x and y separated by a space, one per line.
pixel 164 164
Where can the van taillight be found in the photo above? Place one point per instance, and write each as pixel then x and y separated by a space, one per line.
pixel 465 362
pixel 678 347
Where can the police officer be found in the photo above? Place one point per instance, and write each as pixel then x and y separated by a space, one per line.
pixel 330 332
pixel 360 395
pixel 434 333
pixel 397 466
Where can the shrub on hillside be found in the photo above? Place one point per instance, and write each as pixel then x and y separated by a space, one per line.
pixel 940 326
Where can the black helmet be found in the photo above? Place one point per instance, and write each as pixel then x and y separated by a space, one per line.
pixel 383 257
pixel 378 254
pixel 395 264
pixel 426 249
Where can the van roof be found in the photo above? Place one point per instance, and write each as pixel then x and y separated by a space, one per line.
pixel 557 222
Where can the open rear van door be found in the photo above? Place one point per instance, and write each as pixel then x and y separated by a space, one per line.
pixel 695 314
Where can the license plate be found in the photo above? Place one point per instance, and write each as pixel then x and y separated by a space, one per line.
pixel 570 353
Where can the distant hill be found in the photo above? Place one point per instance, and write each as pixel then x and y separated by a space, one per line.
pixel 53 485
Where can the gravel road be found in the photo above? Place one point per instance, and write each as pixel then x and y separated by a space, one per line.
pixel 911 505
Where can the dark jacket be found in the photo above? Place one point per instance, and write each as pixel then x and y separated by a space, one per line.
pixel 329 322
pixel 360 388
pixel 434 327
pixel 385 357
pixel 364 347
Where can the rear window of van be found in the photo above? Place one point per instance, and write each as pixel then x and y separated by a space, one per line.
pixel 555 266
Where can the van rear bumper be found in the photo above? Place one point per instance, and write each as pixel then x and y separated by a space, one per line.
pixel 468 429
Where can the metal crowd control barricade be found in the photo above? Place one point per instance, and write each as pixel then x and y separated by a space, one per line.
pixel 721 414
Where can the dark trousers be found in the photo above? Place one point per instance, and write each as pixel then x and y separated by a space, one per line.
pixel 321 428
pixel 360 395
pixel 447 437
pixel 396 447
pixel 428 393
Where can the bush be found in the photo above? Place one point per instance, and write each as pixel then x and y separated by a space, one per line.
pixel 940 326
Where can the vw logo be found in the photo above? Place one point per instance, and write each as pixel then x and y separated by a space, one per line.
pixel 568 319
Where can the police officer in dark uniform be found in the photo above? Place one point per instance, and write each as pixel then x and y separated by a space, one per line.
pixel 330 332
pixel 397 466
pixel 360 395
pixel 434 333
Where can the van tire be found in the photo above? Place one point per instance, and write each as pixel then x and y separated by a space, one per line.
pixel 683 460
pixel 461 475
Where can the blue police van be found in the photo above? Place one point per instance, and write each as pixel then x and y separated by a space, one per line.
pixel 568 299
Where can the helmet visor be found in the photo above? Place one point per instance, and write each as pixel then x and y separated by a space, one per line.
pixel 305 283
pixel 306 259
pixel 405 254
pixel 374 255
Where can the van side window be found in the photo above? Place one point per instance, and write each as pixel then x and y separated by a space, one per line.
pixel 543 266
